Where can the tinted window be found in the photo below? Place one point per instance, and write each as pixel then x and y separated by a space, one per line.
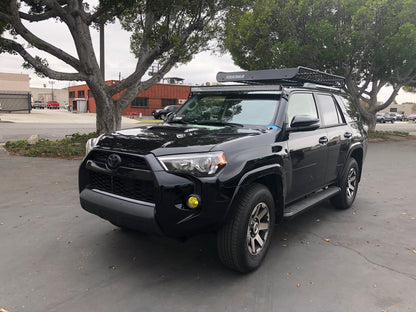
pixel 301 104
pixel 347 108
pixel 329 111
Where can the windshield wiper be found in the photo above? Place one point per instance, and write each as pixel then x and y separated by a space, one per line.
pixel 219 123
pixel 181 121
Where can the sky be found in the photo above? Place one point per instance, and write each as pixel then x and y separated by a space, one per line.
pixel 120 61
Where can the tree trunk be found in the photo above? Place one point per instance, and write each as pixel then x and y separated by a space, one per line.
pixel 370 121
pixel 108 116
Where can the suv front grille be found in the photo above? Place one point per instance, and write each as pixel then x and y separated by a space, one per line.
pixel 127 160
pixel 128 187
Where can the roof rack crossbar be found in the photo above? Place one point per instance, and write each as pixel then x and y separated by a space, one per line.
pixel 286 76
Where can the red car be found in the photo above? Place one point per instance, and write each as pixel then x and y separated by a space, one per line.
pixel 53 105
pixel 411 117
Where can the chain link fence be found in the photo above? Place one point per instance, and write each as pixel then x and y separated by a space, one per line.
pixel 15 101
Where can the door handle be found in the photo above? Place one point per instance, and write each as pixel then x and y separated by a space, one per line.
pixel 323 140
pixel 347 135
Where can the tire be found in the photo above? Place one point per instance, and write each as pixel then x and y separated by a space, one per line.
pixel 162 116
pixel 392 121
pixel 245 239
pixel 349 186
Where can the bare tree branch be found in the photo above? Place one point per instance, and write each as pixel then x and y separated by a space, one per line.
pixel 14 46
pixel 37 17
pixel 141 86
pixel 391 98
pixel 14 20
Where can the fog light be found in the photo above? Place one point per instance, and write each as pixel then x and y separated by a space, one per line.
pixel 193 201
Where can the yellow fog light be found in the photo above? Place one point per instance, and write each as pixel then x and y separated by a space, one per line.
pixel 193 201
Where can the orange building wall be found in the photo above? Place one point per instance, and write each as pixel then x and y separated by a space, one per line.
pixel 155 94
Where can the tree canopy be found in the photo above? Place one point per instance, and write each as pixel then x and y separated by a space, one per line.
pixel 372 43
pixel 167 31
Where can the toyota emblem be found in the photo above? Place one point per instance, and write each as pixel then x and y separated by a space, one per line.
pixel 113 161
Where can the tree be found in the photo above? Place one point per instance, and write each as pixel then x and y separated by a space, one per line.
pixel 371 43
pixel 167 31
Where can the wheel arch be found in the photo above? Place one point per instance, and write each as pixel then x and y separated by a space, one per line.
pixel 272 178
pixel 358 154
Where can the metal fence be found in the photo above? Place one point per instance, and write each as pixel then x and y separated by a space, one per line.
pixel 15 101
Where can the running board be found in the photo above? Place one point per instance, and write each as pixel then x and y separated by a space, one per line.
pixel 305 204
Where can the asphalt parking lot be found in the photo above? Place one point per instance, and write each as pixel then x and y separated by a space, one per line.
pixel 56 257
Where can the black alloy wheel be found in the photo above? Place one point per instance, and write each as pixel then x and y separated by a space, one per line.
pixel 349 186
pixel 245 239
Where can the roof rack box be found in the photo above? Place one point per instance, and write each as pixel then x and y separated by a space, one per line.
pixel 285 76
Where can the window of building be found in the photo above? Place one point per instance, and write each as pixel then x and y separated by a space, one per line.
pixel 71 94
pixel 166 102
pixel 140 102
pixel 81 93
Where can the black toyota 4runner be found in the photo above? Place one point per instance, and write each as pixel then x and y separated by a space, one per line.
pixel 234 159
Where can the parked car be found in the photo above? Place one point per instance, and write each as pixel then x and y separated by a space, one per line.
pixel 38 104
pixel 399 117
pixel 385 117
pixel 234 159
pixel 163 112
pixel 411 117
pixel 53 105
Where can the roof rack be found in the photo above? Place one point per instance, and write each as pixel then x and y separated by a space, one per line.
pixel 285 76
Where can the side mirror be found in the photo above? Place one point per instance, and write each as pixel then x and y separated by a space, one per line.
pixel 304 123
pixel 169 117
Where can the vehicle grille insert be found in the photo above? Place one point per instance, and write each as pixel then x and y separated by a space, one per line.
pixel 128 187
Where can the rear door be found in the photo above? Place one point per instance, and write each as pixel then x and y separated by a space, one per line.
pixel 338 133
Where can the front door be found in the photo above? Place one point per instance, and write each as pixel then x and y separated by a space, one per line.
pixel 307 150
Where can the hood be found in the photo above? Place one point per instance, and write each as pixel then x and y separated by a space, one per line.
pixel 170 139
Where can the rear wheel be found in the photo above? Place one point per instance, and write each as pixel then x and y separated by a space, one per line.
pixel 349 186
pixel 245 239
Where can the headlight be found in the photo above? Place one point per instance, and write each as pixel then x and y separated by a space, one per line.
pixel 198 164
pixel 91 143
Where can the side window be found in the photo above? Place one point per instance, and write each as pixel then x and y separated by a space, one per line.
pixel 301 104
pixel 347 107
pixel 329 110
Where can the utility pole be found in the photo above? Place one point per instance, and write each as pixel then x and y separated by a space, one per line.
pixel 52 83
pixel 102 62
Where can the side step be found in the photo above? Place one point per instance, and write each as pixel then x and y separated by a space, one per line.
pixel 308 202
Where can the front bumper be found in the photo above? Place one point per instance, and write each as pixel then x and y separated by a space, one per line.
pixel 148 198
pixel 120 211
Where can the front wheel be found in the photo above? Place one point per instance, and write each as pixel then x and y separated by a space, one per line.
pixel 349 186
pixel 245 239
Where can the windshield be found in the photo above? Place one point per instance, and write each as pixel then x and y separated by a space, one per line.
pixel 238 109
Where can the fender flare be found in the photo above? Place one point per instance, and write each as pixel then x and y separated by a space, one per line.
pixel 255 174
